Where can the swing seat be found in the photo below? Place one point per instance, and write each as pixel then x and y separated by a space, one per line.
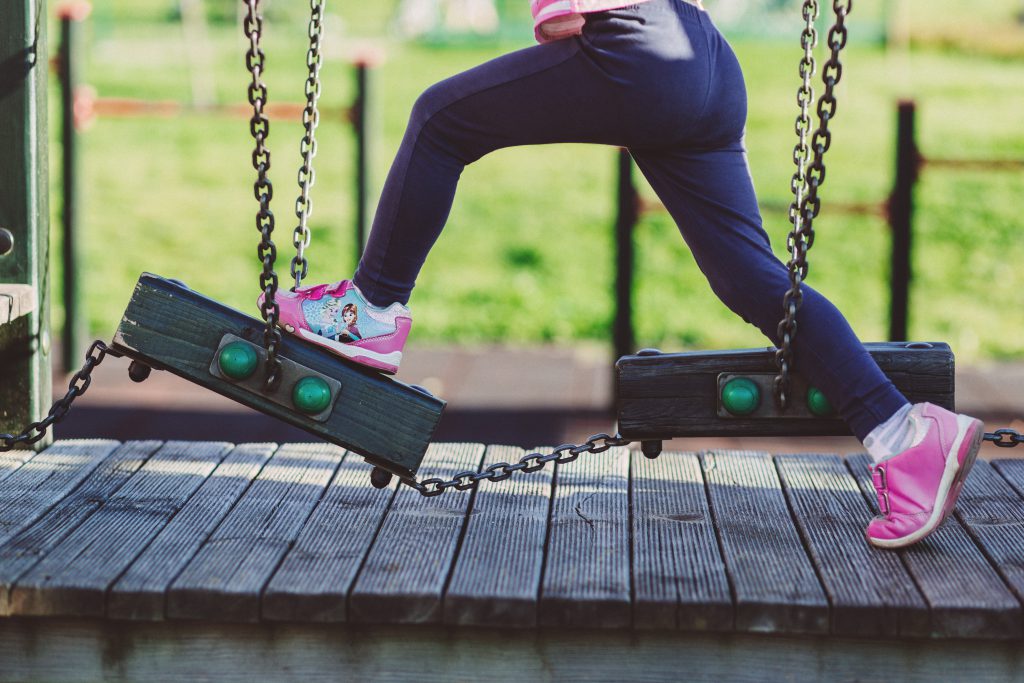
pixel 730 393
pixel 170 327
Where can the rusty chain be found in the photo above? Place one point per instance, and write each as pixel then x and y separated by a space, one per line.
pixel 259 126
pixel 307 148
pixel 531 462
pixel 809 176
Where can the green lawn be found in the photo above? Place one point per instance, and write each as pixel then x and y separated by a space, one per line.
pixel 527 255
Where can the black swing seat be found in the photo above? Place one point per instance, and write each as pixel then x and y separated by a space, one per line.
pixel 170 327
pixel 665 395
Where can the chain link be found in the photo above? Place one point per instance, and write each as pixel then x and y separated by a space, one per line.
pixel 809 175
pixel 1005 438
pixel 531 462
pixel 79 384
pixel 259 126
pixel 310 119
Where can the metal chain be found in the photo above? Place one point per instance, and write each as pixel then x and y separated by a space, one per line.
pixel 531 462
pixel 809 177
pixel 259 126
pixel 78 386
pixel 1005 438
pixel 307 148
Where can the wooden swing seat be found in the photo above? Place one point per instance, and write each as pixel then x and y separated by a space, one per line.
pixel 666 395
pixel 170 327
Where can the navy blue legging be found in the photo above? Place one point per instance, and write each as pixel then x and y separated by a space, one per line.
pixel 660 80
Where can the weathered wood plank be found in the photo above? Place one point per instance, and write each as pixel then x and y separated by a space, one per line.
pixel 993 512
pixel 587 573
pixel 168 652
pixel 226 577
pixel 174 328
pixel 24 549
pixel 967 597
pixel 497 576
pixel 774 583
pixel 869 590
pixel 35 487
pixel 313 582
pixel 12 460
pixel 679 578
pixel 73 579
pixel 676 394
pixel 16 301
pixel 404 576
pixel 94 650
pixel 141 591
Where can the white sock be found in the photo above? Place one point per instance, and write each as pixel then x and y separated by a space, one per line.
pixel 892 436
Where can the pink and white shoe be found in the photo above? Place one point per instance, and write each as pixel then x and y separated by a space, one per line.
pixel 918 488
pixel 340 319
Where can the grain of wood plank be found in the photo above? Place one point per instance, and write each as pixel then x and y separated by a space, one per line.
pixel 24 549
pixel 967 597
pixel 12 460
pixel 226 577
pixel 992 510
pixel 313 581
pixel 774 583
pixel 405 573
pixel 141 591
pixel 587 570
pixel 497 575
pixel 39 484
pixel 679 577
pixel 869 590
pixel 73 579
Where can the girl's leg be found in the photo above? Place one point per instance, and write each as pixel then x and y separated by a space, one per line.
pixel 601 87
pixel 711 197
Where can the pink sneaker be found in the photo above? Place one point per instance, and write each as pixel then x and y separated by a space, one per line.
pixel 918 488
pixel 339 318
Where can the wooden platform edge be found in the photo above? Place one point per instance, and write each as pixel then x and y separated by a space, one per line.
pixel 16 301
pixel 96 650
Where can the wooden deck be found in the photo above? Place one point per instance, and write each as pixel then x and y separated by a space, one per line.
pixel 159 561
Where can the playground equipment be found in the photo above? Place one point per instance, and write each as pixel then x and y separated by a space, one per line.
pixel 167 326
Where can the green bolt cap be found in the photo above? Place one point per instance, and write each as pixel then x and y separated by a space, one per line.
pixel 817 403
pixel 741 396
pixel 311 395
pixel 238 360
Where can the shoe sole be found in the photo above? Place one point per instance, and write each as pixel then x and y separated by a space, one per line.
pixel 953 477
pixel 385 363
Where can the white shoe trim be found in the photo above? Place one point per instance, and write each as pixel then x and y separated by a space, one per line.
pixel 963 423
pixel 349 351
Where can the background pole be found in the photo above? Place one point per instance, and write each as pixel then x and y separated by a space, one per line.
pixel 625 222
pixel 73 333
pixel 901 213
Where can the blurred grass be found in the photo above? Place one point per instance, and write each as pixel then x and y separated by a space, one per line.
pixel 527 254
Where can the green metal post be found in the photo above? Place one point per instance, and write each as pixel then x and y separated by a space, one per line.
pixel 25 362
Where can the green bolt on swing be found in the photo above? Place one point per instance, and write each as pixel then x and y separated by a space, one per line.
pixel 818 404
pixel 238 360
pixel 741 396
pixel 311 395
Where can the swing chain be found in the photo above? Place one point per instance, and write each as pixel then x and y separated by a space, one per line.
pixel 307 148
pixel 79 384
pixel 531 462
pixel 259 126
pixel 809 176
pixel 1005 438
